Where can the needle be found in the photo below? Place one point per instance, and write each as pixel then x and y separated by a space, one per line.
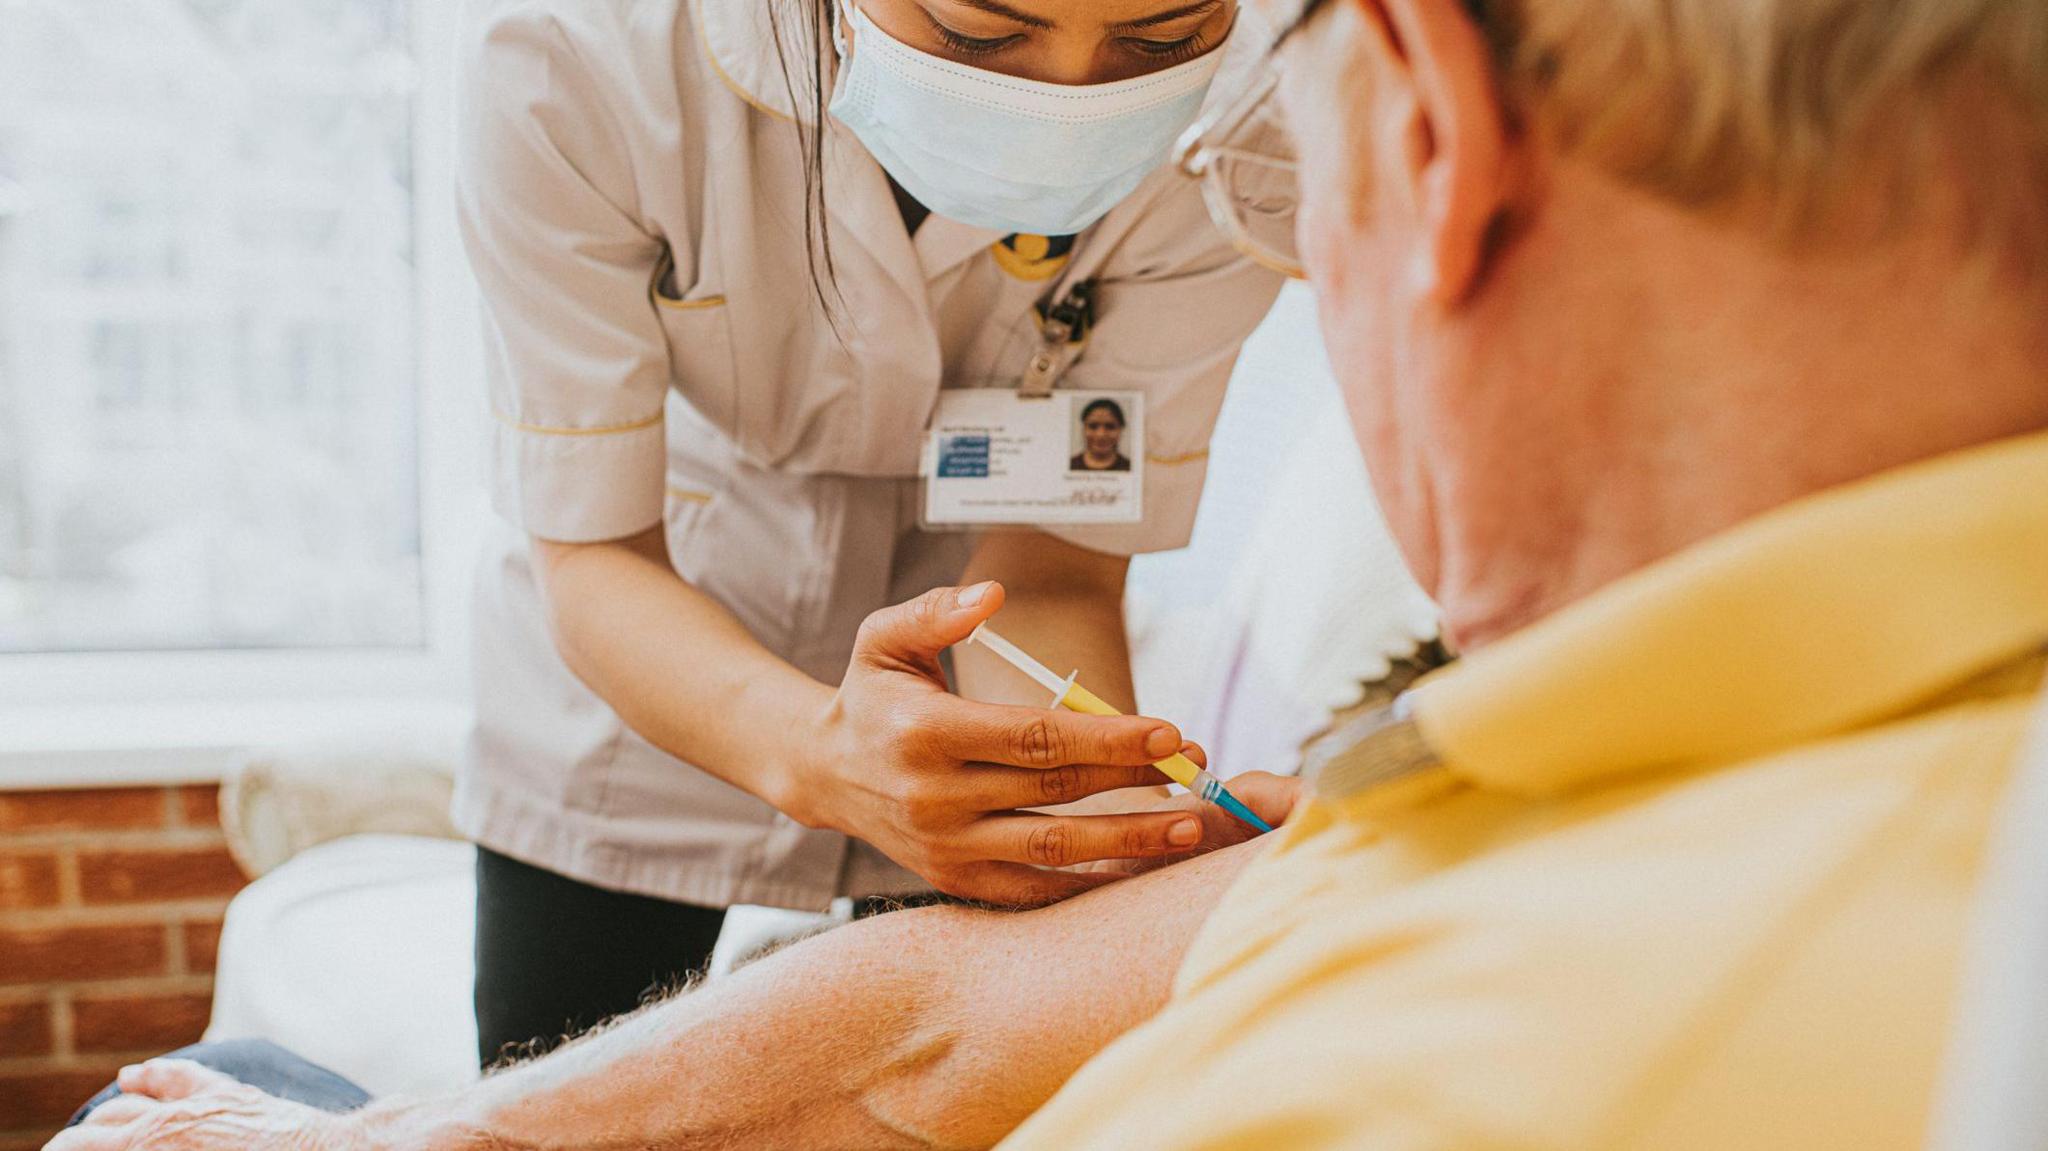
pixel 1072 696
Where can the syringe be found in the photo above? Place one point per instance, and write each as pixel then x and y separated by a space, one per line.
pixel 1072 696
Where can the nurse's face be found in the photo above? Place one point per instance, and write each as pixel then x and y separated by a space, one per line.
pixel 1104 433
pixel 1058 41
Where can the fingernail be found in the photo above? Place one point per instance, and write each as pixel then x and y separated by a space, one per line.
pixel 1163 741
pixel 972 596
pixel 1184 833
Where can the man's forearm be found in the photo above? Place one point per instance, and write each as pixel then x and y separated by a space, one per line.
pixel 934 1027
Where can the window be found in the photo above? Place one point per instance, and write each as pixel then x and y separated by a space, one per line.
pixel 208 368
pixel 239 416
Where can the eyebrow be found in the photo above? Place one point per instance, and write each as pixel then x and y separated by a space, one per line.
pixel 997 8
pixel 1201 7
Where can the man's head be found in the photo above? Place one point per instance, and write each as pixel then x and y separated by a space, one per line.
pixel 1601 277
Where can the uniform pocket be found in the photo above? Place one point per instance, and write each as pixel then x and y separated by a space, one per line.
pixel 698 331
pixel 700 472
pixel 688 504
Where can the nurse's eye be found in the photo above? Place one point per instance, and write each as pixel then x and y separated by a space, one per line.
pixel 972 45
pixel 1185 48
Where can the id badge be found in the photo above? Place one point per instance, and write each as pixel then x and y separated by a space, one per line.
pixel 993 458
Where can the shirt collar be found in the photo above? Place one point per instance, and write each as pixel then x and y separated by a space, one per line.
pixel 737 39
pixel 1833 612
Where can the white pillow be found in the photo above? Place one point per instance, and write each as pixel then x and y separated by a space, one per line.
pixel 359 954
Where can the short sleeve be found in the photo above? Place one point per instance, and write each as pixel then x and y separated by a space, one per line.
pixel 575 361
pixel 1175 303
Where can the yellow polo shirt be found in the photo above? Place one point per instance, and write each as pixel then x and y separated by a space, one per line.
pixel 1689 866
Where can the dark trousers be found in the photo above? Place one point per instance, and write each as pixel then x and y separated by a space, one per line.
pixel 268 1068
pixel 556 957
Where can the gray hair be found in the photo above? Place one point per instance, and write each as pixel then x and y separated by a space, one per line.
pixel 1791 104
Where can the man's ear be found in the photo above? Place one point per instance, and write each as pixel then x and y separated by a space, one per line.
pixel 1457 165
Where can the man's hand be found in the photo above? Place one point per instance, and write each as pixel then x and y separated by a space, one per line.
pixel 178 1105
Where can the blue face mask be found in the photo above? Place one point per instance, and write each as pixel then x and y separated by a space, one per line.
pixel 1005 153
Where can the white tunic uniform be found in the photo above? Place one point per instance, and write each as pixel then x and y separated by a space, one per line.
pixel 632 196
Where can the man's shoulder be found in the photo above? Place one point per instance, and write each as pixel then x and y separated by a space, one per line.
pixel 1660 954
pixel 1505 943
pixel 1437 837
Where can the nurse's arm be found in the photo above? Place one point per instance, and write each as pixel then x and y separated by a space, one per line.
pixel 1065 605
pixel 940 784
pixel 936 1027
pixel 645 640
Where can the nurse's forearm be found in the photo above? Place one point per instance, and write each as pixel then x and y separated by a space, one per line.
pixel 940 1027
pixel 673 663
pixel 1065 606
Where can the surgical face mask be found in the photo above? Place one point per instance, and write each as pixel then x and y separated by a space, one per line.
pixel 1001 152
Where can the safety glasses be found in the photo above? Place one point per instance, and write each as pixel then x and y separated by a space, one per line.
pixel 1245 161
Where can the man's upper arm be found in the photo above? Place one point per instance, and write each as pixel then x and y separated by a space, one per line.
pixel 944 1026
pixel 1039 993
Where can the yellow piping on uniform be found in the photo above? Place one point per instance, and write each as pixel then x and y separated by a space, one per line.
pixel 717 69
pixel 609 430
pixel 690 496
pixel 1184 458
pixel 689 305
pixel 662 268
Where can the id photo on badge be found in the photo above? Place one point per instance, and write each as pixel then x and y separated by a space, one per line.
pixel 1098 438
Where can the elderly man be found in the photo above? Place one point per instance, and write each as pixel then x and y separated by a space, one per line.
pixel 1700 354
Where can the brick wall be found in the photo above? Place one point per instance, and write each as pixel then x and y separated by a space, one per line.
pixel 110 910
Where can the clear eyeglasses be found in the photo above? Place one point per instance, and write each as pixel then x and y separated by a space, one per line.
pixel 1245 161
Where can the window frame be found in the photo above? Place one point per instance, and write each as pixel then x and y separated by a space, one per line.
pixel 98 718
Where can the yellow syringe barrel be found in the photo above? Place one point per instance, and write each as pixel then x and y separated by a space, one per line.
pixel 1178 766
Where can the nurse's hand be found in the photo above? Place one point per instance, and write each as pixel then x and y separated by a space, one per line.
pixel 1271 797
pixel 937 782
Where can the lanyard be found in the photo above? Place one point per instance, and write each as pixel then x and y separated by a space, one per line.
pixel 1067 313
pixel 1062 333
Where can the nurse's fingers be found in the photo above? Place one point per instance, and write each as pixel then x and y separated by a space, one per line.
pixel 1016 885
pixel 1042 737
pixel 997 788
pixel 919 629
pixel 1062 841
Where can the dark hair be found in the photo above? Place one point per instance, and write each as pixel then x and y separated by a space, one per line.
pixel 810 137
pixel 1114 408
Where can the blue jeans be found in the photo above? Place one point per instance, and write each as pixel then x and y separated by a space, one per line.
pixel 265 1066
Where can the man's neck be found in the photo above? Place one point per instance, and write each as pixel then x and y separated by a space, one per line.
pixel 1731 378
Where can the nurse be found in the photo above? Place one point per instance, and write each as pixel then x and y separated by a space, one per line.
pixel 751 269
